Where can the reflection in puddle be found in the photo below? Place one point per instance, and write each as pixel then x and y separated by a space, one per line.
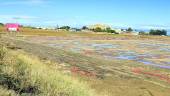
pixel 165 49
pixel 156 65
pixel 116 51
pixel 126 57
pixel 77 50
pixel 56 45
pixel 161 47
pixel 140 60
pixel 103 46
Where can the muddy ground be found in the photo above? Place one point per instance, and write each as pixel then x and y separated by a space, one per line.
pixel 116 67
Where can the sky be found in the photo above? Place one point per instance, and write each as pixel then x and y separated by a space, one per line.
pixel 145 14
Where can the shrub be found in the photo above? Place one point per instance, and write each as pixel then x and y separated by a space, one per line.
pixel 1 24
pixel 3 52
pixel 28 75
pixel 129 29
pixel 65 27
pixel 98 29
pixel 158 32
pixel 6 92
pixel 109 30
pixel 85 28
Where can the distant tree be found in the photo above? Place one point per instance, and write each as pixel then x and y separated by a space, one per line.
pixel 112 31
pixel 129 29
pixel 98 29
pixel 85 28
pixel 109 30
pixel 65 27
pixel 164 32
pixel 1 24
pixel 158 32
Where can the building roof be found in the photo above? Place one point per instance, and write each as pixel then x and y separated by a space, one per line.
pixel 12 25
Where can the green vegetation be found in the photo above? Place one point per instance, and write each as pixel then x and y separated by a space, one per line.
pixel 98 29
pixel 1 24
pixel 6 92
pixel 129 29
pixel 26 75
pixel 65 27
pixel 154 32
pixel 158 32
pixel 3 51
pixel 108 30
pixel 84 28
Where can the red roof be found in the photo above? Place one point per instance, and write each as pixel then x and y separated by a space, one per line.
pixel 12 25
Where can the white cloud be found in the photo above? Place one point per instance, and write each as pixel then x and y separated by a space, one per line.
pixel 153 26
pixel 25 2
pixel 17 17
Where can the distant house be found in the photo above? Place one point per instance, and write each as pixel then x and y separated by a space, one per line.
pixel 12 27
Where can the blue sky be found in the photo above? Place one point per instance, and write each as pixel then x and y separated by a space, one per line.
pixel 118 13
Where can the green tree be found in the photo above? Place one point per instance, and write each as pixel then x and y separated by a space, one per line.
pixel 1 24
pixel 129 29
pixel 98 29
pixel 113 31
pixel 109 30
pixel 158 32
pixel 85 27
pixel 164 32
pixel 65 27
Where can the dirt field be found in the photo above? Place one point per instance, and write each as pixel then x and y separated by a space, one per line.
pixel 115 66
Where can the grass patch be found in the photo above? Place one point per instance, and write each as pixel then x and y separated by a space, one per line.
pixel 6 92
pixel 27 75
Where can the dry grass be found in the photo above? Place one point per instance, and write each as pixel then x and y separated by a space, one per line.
pixel 6 92
pixel 26 75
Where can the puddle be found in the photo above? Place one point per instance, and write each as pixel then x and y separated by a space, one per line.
pixel 56 45
pixel 116 51
pixel 167 63
pixel 153 45
pixel 165 49
pixel 77 50
pixel 161 47
pixel 103 46
pixel 145 62
pixel 76 43
pixel 153 64
pixel 129 55
pixel 126 57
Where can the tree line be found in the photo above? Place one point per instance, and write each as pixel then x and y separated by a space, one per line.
pixel 1 24
pixel 154 32
pixel 110 30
